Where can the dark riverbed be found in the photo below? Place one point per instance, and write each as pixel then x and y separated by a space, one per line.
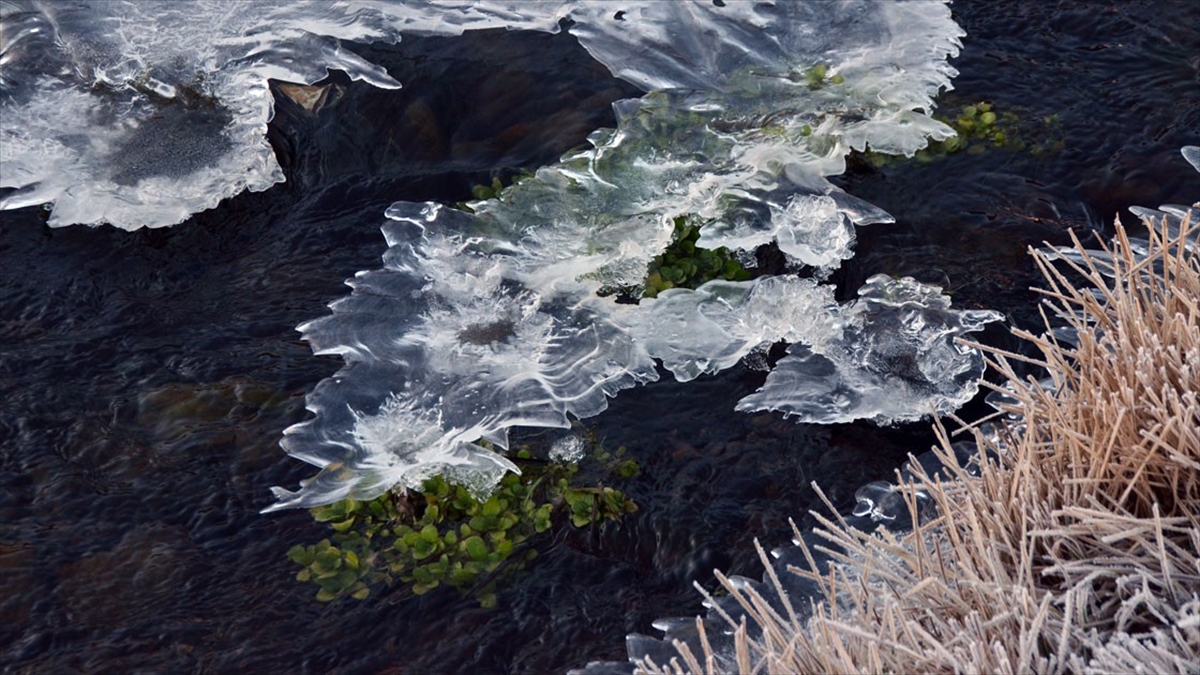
pixel 146 377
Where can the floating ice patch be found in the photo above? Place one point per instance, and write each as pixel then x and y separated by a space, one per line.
pixel 892 357
pixel 142 113
pixel 502 317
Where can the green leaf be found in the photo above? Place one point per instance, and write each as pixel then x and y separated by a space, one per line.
pixel 329 559
pixel 423 588
pixel 346 578
pixel 627 469
pixel 541 519
pixel 423 549
pixel 476 548
pixel 324 514
pixel 504 547
pixel 581 503
pixel 462 577
pixel 492 507
pixel 422 575
pixel 301 555
pixel 343 526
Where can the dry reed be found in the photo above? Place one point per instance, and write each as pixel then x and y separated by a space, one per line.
pixel 1076 551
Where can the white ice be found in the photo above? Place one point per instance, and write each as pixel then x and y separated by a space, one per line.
pixel 480 322
pixel 141 113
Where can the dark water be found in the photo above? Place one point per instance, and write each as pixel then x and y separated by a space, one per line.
pixel 145 378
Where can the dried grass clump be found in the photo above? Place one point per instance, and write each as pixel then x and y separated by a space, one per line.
pixel 1077 551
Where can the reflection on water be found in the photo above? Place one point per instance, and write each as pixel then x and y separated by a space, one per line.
pixel 145 377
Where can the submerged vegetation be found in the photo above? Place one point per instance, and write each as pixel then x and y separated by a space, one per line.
pixel 1075 550
pixel 442 535
pixel 481 192
pixel 682 264
pixel 980 127
pixel 685 265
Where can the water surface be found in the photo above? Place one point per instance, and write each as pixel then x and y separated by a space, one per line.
pixel 146 377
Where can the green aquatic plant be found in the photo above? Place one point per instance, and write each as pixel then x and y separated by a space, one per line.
pixel 979 128
pixel 685 265
pixel 442 535
pixel 818 76
pixel 481 192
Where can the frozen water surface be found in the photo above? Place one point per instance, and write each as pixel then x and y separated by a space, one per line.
pixel 485 320
pixel 142 113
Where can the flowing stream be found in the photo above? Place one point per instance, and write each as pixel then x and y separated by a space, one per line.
pixel 148 375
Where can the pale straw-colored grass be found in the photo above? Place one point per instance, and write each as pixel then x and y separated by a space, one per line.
pixel 1078 550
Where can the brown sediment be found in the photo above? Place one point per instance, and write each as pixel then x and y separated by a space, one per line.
pixel 484 334
pixel 1078 550
pixel 312 98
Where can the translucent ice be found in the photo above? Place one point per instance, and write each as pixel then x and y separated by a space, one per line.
pixel 893 356
pixel 482 321
pixel 141 113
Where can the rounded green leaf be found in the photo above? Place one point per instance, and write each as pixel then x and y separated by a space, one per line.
pixel 423 588
pixel 301 555
pixel 476 548
pixel 329 559
pixel 492 507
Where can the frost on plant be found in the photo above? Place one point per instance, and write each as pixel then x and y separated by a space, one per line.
pixel 496 315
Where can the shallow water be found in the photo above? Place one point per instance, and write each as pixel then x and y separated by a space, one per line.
pixel 146 377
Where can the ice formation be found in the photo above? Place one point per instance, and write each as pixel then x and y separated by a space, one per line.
pixel 141 113
pixel 486 320
pixel 1170 216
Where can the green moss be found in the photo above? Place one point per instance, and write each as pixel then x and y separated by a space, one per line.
pixel 442 535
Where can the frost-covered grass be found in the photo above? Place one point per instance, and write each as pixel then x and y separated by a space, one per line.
pixel 1078 550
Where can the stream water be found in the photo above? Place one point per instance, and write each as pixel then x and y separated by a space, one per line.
pixel 146 377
